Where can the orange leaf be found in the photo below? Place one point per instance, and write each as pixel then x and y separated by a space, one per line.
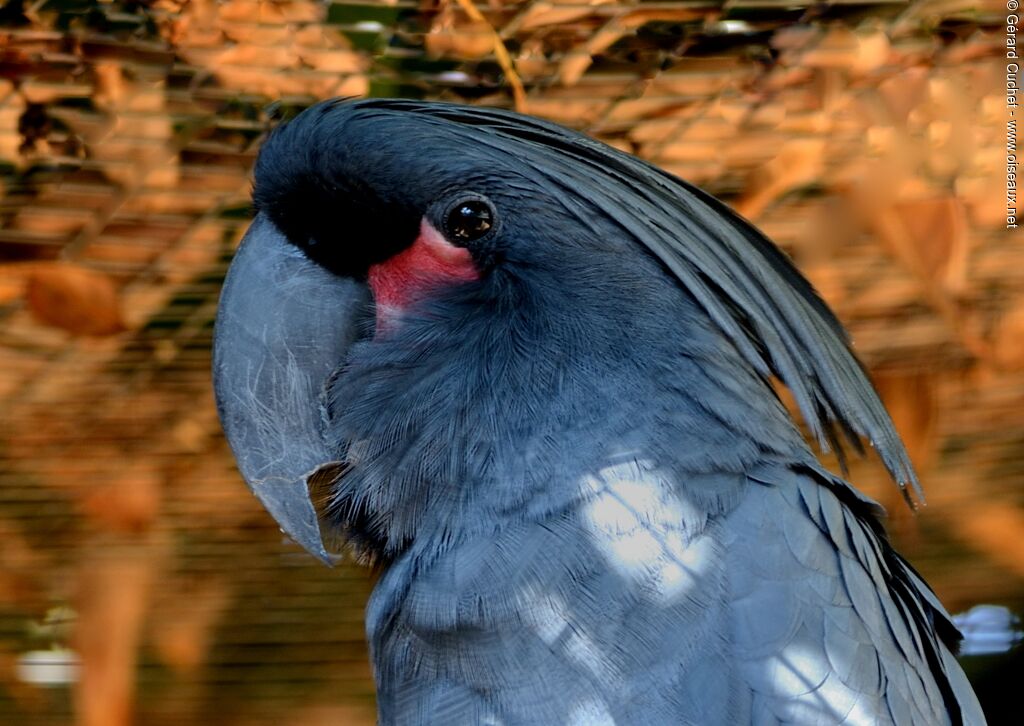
pixel 75 299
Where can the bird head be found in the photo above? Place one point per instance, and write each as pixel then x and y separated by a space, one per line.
pixel 376 212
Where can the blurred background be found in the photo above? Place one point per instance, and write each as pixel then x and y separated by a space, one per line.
pixel 140 582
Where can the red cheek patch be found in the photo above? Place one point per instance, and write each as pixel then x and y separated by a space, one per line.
pixel 429 263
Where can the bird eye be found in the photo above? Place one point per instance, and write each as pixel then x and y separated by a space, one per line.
pixel 469 220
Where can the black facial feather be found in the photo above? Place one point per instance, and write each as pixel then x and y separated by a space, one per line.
pixel 333 218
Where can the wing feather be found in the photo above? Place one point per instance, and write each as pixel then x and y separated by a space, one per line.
pixel 873 633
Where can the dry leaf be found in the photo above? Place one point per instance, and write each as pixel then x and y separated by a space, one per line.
pixel 843 49
pixel 798 163
pixel 540 14
pixel 904 91
pixel 75 299
pixel 1008 348
pixel 453 34
pixel 247 54
pixel 936 239
pixel 569 109
pixel 234 11
pixel 333 61
pixel 983 195
pixel 573 66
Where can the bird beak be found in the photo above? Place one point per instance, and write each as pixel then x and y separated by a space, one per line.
pixel 284 326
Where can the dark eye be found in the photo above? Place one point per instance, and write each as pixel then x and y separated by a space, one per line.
pixel 469 220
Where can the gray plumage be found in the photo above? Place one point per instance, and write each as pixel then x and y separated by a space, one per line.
pixel 588 505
